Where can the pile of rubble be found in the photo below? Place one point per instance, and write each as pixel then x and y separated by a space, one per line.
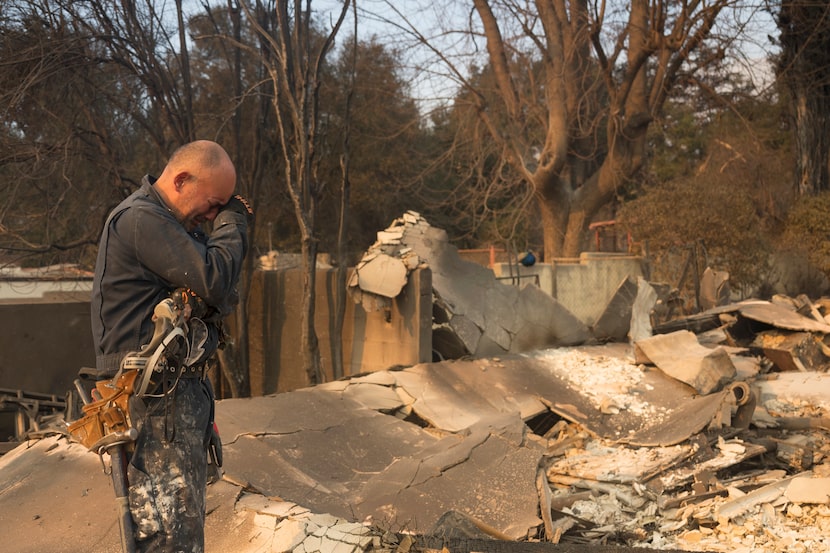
pixel 684 440
pixel 756 478
pixel 586 445
pixel 620 446
pixel 702 433
pixel 706 433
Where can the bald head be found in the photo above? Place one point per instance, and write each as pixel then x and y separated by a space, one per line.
pixel 199 178
pixel 201 152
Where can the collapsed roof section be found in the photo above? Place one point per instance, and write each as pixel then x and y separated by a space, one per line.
pixel 578 443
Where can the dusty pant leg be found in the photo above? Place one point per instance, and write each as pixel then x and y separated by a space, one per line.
pixel 168 477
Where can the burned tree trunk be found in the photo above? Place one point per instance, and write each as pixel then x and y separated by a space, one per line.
pixel 805 68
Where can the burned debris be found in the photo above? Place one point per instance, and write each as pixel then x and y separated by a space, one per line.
pixel 707 432
pixel 673 431
pixel 577 445
pixel 26 415
pixel 753 478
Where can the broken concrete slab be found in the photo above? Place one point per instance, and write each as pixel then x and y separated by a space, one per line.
pixel 487 473
pixel 369 454
pixel 455 395
pixel 615 321
pixel 470 334
pixel 605 392
pixel 714 288
pixel 383 275
pixel 477 314
pixel 801 304
pixel 544 323
pixel 806 488
pixel 278 450
pixel 378 396
pixel 65 504
pixel 33 478
pixel 641 311
pixel 681 356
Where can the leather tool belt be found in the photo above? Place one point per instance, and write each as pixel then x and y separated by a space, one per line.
pixel 107 415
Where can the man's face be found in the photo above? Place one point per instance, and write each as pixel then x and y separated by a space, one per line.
pixel 201 196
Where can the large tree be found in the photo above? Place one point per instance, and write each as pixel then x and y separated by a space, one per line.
pixel 566 96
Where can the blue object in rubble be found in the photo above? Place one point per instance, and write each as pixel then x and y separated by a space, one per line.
pixel 528 259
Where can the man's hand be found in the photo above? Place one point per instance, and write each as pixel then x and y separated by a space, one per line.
pixel 238 204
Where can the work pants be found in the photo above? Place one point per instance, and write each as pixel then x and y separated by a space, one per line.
pixel 167 472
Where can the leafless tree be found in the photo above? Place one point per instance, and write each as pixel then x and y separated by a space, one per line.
pixel 293 54
pixel 562 93
pixel 100 93
pixel 345 212
pixel 150 45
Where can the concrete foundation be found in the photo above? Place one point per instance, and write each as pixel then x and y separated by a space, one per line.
pixel 371 341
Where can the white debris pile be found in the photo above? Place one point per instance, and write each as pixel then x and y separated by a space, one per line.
pixel 762 511
pixel 754 492
pixel 384 269
pixel 285 526
pixel 591 374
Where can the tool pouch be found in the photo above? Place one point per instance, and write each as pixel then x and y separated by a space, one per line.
pixel 107 414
